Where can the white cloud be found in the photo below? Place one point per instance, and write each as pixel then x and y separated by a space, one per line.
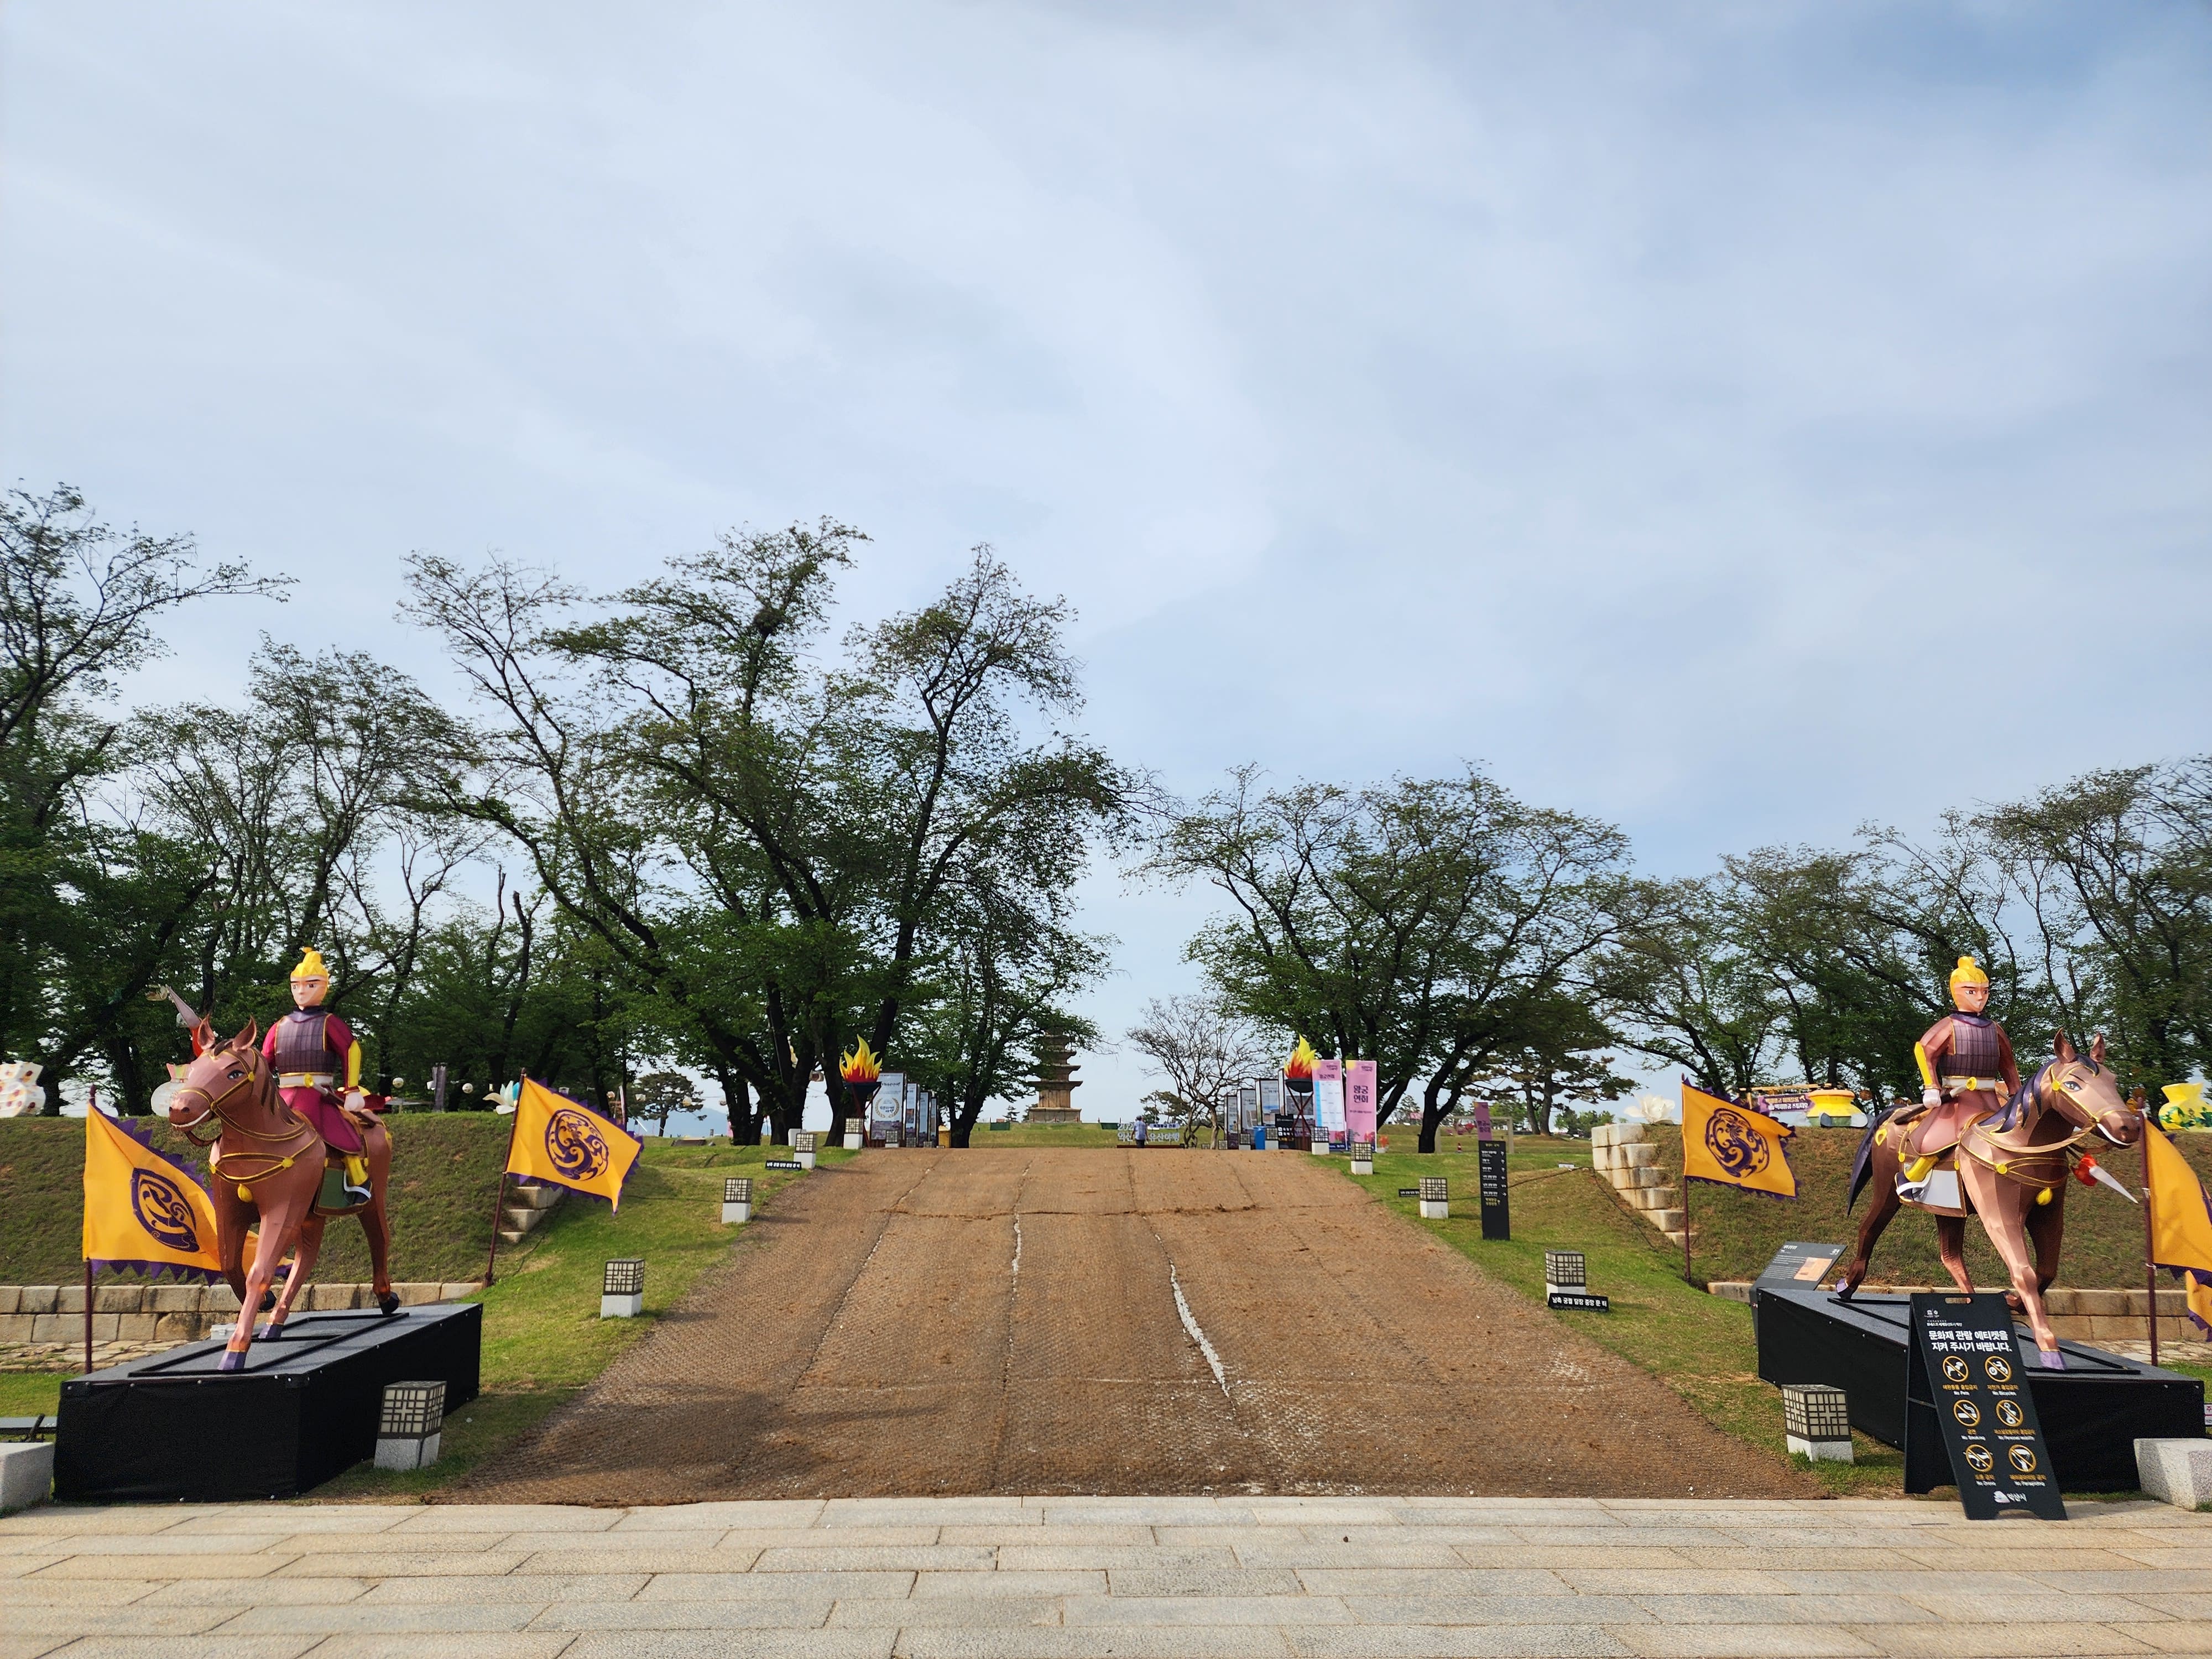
pixel 1677 408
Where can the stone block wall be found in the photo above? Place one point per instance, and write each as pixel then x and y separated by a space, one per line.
pixel 167 1312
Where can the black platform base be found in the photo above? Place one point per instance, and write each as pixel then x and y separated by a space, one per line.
pixel 305 1406
pixel 2091 1412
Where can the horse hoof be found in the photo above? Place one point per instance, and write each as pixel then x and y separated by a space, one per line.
pixel 269 1333
pixel 267 1301
pixel 233 1360
pixel 2052 1359
pixel 1844 1292
pixel 388 1302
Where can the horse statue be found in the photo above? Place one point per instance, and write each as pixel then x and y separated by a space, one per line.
pixel 2012 1167
pixel 267 1164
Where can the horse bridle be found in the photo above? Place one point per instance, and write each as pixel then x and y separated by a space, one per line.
pixel 2060 1098
pixel 214 1109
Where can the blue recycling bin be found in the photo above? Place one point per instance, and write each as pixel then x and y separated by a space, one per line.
pixel 1259 1137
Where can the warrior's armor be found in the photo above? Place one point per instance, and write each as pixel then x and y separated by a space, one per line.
pixel 312 1051
pixel 1967 1073
pixel 315 1056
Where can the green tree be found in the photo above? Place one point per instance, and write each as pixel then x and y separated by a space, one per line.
pixel 1404 923
pixel 92 904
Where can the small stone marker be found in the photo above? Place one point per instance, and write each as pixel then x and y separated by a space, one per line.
pixel 2178 1471
pixel 802 1147
pixel 623 1296
pixel 1566 1283
pixel 412 1422
pixel 852 1137
pixel 27 1473
pixel 1436 1198
pixel 1816 1421
pixel 1362 1157
pixel 737 1200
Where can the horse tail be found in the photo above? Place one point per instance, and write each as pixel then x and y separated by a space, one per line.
pixel 1863 1164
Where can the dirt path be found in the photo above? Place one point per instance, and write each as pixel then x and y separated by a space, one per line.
pixel 1037 1322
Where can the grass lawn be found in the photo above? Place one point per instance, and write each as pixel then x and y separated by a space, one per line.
pixel 1736 1234
pixel 444 1164
pixel 1041 1134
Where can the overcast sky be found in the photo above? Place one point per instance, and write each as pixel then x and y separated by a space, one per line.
pixel 1737 421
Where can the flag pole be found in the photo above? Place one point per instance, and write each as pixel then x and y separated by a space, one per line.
pixel 499 1198
pixel 88 1314
pixel 2150 1242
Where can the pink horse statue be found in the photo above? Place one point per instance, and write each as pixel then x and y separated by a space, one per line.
pixel 267 1164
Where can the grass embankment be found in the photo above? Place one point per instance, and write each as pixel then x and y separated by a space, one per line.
pixel 1736 1234
pixel 544 1338
pixel 1042 1135
pixel 444 1166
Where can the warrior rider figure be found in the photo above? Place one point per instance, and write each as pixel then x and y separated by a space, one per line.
pixel 1966 1073
pixel 308 1050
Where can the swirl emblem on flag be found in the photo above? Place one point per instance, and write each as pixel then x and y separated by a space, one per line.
pixel 1736 1146
pixel 578 1150
pixel 162 1211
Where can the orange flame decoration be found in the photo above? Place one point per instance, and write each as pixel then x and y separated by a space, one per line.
pixel 860 1066
pixel 1302 1060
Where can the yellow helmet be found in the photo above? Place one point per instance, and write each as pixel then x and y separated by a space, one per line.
pixel 311 965
pixel 1968 972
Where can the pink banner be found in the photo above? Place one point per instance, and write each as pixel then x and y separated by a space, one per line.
pixel 1359 1100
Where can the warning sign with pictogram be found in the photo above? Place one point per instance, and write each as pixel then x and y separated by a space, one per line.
pixel 1964 1387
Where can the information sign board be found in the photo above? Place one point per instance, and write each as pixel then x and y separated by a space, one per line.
pixel 1962 1373
pixel 782 1164
pixel 1482 1128
pixel 1497 1216
pixel 1800 1263
pixel 1583 1300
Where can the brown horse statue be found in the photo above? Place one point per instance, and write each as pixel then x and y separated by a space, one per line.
pixel 267 1164
pixel 2012 1168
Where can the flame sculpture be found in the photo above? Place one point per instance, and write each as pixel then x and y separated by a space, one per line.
pixel 1302 1060
pixel 861 1065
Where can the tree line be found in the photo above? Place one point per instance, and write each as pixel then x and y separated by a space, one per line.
pixel 676 829
pixel 1479 947
pixel 670 824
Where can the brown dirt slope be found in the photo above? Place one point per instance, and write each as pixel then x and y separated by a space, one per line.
pixel 924 1322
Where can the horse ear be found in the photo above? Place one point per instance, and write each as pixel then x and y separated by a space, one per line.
pixel 202 1037
pixel 2063 1049
pixel 245 1041
pixel 2097 1049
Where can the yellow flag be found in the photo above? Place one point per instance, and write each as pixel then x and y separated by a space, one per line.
pixel 1734 1146
pixel 140 1209
pixel 2180 1223
pixel 556 1139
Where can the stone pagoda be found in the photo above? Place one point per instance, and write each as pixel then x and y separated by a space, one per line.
pixel 1056 1084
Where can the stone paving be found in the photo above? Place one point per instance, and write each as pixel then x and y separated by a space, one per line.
pixel 1189 1577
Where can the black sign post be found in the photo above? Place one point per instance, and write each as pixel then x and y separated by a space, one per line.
pixel 1962 1385
pixel 1497 1219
